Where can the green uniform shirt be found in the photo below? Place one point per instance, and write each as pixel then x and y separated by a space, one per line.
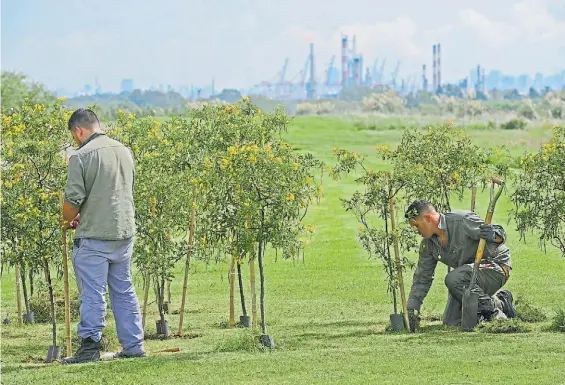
pixel 100 184
pixel 463 241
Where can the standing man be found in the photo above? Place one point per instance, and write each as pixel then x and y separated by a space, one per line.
pixel 99 204
pixel 453 238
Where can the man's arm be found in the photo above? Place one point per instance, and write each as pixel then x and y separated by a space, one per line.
pixel 476 228
pixel 423 277
pixel 75 192
pixel 70 213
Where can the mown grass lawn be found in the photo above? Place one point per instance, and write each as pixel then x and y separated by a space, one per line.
pixel 328 314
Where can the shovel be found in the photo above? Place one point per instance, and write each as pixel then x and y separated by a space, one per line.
pixel 470 300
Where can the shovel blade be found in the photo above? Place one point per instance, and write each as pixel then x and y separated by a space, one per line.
pixel 469 310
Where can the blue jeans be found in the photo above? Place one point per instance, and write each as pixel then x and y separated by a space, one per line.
pixel 97 264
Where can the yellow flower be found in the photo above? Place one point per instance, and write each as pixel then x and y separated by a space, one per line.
pixel 290 197
pixel 225 163
pixel 383 148
pixel 62 98
pixel 279 159
pixel 308 180
pixel 252 158
pixel 268 147
pixel 295 165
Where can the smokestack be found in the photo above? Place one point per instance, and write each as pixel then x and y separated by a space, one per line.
pixel 344 63
pixel 438 67
pixel 483 83
pixel 356 71
pixel 360 69
pixel 367 78
pixel 424 79
pixel 312 74
pixel 478 86
pixel 434 70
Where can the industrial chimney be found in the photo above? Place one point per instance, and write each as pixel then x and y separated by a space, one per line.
pixel 438 67
pixel 344 63
pixel 434 85
pixel 312 74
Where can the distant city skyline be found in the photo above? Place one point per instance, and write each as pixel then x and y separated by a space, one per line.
pixel 67 44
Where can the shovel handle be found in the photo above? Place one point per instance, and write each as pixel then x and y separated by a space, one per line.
pixel 488 220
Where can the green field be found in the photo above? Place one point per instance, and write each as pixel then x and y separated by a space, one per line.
pixel 328 314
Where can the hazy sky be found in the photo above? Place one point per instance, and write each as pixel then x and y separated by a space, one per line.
pixel 65 43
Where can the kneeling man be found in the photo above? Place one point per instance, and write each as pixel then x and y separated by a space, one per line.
pixel 453 238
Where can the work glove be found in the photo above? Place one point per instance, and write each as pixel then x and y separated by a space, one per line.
pixel 413 304
pixel 490 232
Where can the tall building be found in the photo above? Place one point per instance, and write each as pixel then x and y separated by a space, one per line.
pixel 127 86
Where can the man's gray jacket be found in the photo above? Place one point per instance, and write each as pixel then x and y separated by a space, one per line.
pixel 463 241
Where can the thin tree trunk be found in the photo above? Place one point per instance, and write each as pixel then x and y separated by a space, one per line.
pixel 390 267
pixel 232 291
pixel 473 197
pixel 262 289
pixel 398 261
pixel 190 250
pixel 67 294
pixel 446 194
pixel 161 299
pixel 24 289
pixel 253 292
pixel 242 296
pixel 18 292
pixel 168 291
pixel 30 273
pixel 52 300
pixel 145 299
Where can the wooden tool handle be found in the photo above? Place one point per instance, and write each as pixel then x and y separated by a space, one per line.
pixel 488 219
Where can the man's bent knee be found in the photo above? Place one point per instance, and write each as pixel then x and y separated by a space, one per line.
pixel 452 279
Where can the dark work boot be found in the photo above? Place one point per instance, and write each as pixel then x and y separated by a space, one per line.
pixel 492 315
pixel 89 351
pixel 126 355
pixel 506 298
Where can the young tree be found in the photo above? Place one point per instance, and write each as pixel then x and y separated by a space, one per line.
pixel 157 194
pixel 375 210
pixel 539 195
pixel 34 172
pixel 262 186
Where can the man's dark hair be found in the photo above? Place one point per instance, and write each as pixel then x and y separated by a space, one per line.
pixel 83 117
pixel 418 207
